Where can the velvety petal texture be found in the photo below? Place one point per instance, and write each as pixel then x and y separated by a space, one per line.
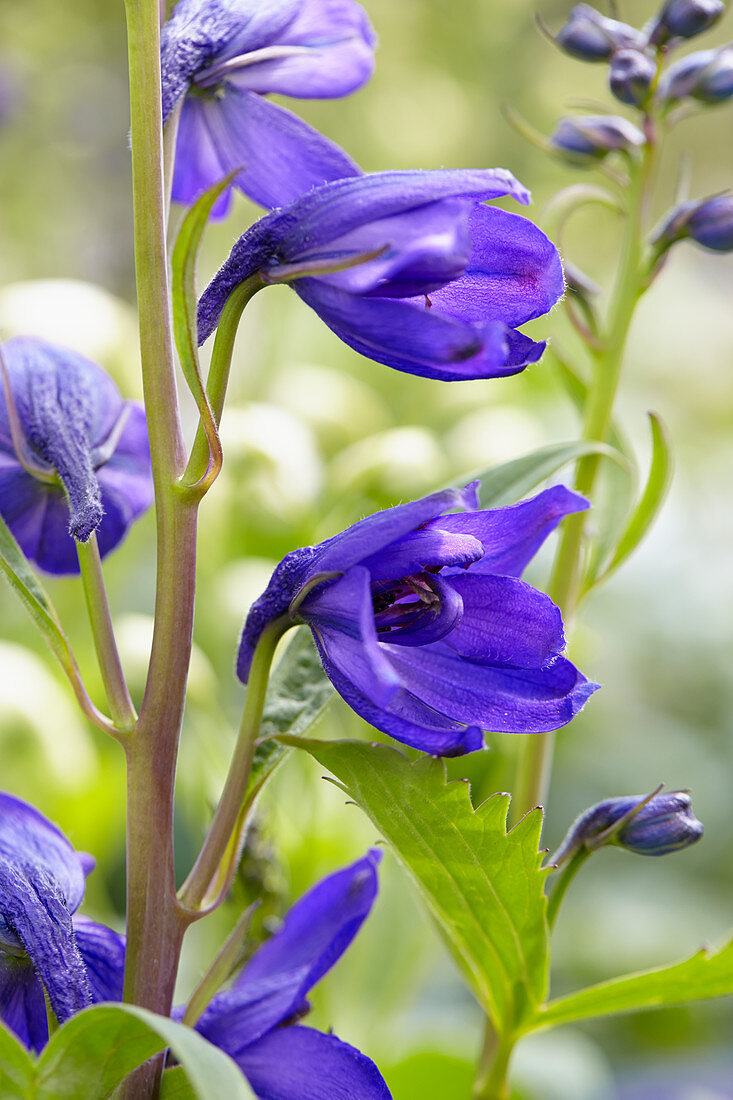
pixel 223 56
pixel 74 457
pixel 424 626
pixel 252 1021
pixel 417 272
pixel 41 885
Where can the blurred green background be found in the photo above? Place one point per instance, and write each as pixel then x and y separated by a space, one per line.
pixel 314 438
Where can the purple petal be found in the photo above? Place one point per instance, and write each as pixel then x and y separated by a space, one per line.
pixel 497 699
pixel 338 53
pixel 103 952
pixel 505 622
pixel 298 1063
pixel 514 273
pixel 407 718
pixel 279 156
pixel 512 536
pixel 126 481
pixel 197 164
pixel 314 934
pixel 425 548
pixel 22 1007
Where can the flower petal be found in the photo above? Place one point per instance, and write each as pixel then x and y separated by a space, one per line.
pixel 126 481
pixel 421 549
pixel 501 700
pixel 103 952
pixel 505 622
pixel 299 1063
pixel 197 164
pixel 22 1007
pixel 279 157
pixel 513 275
pixel 511 536
pixel 314 934
pixel 337 43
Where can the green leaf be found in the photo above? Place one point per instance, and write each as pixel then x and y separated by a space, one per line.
pixel 297 695
pixel 706 974
pixel 651 500
pixel 95 1050
pixel 16 1067
pixel 513 480
pixel 483 887
pixel 175 1085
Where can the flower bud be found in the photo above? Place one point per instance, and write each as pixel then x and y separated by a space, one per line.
pixel 593 136
pixel 631 76
pixel 685 19
pixel 706 76
pixel 590 36
pixel 648 825
pixel 708 222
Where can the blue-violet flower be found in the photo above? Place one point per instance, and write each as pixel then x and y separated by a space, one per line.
pixel 221 57
pixel 587 137
pixel 590 36
pixel 423 624
pixel 43 944
pixel 74 457
pixel 433 282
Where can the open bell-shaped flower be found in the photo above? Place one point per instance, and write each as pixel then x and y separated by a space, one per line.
pixel 409 268
pixel 220 58
pixel 423 624
pixel 43 944
pixel 74 457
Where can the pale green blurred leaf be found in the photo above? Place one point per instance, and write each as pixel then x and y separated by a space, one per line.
pixel 16 1067
pixel 483 887
pixel 508 483
pixel 175 1085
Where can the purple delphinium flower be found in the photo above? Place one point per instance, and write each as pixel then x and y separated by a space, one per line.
pixel 42 943
pixel 590 36
pixel 424 626
pixel 663 823
pixel 223 56
pixel 255 1021
pixel 74 457
pixel 433 283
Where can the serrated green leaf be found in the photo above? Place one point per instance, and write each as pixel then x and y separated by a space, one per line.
pixel 95 1050
pixel 651 500
pixel 706 974
pixel 483 887
pixel 508 483
pixel 16 1067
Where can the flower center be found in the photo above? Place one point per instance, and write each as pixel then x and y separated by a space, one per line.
pixel 415 610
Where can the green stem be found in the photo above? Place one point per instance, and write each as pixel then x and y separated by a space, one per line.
pixel 492 1077
pixel 535 763
pixel 218 377
pixel 220 969
pixel 155 922
pixel 95 593
pixel 197 886
pixel 564 879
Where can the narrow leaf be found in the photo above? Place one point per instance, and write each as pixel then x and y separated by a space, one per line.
pixel 706 974
pixel 96 1049
pixel 16 1067
pixel 508 483
pixel 483 887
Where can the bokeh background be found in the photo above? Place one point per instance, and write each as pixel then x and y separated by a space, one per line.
pixel 315 437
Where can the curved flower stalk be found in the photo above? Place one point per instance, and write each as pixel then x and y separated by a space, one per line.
pixel 423 624
pixel 74 457
pixel 255 1021
pixel 43 944
pixel 409 268
pixel 222 57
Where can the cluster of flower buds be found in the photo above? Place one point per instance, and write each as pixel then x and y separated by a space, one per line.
pixel 708 222
pixel 650 825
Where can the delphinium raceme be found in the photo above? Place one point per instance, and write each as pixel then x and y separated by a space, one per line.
pixel 420 618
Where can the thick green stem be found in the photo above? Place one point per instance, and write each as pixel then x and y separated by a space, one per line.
pixel 492 1078
pixel 95 593
pixel 197 886
pixel 155 922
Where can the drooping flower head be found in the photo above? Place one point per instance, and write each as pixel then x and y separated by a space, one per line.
pixel 433 282
pixel 424 626
pixel 255 1021
pixel 43 945
pixel 223 56
pixel 74 457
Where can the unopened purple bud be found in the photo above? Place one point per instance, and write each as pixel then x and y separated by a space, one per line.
pixel 590 36
pixel 631 75
pixel 648 826
pixel 686 18
pixel 706 76
pixel 708 222
pixel 593 136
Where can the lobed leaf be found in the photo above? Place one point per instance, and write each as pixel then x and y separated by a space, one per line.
pixel 484 887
